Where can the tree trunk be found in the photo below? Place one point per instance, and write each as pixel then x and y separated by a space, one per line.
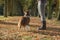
pixel 59 11
pixel 59 17
pixel 34 8
pixel 17 8
pixel 50 8
pixel 5 8
pixel 21 9
pixel 10 7
pixel 57 8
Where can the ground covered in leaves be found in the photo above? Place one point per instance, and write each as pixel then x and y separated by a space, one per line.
pixel 11 32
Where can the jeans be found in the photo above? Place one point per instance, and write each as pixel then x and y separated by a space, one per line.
pixel 41 9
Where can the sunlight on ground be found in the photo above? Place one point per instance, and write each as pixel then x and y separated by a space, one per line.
pixel 3 18
pixel 10 32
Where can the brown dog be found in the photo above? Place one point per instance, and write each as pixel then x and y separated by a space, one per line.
pixel 24 21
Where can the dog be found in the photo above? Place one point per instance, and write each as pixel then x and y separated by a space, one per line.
pixel 24 21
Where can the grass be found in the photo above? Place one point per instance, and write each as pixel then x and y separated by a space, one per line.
pixel 3 18
pixel 27 37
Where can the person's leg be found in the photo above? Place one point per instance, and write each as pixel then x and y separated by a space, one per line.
pixel 41 10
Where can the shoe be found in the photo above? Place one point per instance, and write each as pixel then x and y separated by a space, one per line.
pixel 43 26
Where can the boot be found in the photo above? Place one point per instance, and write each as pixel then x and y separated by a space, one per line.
pixel 43 26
